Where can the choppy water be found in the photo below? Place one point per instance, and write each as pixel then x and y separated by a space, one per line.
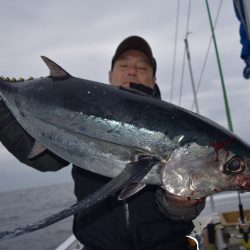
pixel 25 206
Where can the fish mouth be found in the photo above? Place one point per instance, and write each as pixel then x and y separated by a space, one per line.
pixel 198 200
pixel 243 182
pixel 201 200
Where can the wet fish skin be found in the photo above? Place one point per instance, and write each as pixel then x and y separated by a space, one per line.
pixel 203 172
pixel 101 128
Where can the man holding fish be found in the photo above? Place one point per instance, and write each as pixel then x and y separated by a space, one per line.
pixel 152 219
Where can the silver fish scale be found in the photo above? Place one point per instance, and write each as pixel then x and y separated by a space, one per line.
pixel 80 147
pixel 113 132
pixel 154 142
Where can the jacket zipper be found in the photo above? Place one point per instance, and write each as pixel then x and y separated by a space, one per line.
pixel 126 214
pixel 127 223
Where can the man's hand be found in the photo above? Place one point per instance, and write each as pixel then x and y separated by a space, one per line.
pixel 178 208
pixel 182 202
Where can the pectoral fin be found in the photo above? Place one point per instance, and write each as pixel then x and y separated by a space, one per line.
pixel 37 149
pixel 144 165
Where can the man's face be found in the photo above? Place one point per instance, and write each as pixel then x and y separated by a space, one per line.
pixel 132 66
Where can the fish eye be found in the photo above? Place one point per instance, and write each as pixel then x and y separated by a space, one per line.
pixel 235 165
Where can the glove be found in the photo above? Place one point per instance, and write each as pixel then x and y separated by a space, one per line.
pixel 175 213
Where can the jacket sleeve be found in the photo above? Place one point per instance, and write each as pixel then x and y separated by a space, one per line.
pixel 175 213
pixel 19 143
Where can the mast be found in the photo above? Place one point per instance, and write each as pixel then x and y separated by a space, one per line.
pixel 229 121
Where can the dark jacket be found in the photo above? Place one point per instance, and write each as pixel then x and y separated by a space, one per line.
pixel 112 225
pixel 105 227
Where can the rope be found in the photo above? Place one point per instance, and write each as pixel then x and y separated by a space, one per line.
pixel 175 45
pixel 184 54
pixel 188 16
pixel 229 120
pixel 207 52
pixel 182 75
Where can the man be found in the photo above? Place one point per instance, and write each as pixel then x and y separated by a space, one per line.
pixel 150 219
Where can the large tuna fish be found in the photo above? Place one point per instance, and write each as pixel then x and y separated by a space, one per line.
pixel 103 129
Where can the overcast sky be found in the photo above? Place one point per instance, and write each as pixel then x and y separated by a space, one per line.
pixel 81 36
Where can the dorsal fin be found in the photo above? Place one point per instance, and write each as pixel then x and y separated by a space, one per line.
pixel 55 70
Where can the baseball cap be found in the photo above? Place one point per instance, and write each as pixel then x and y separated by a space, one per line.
pixel 135 43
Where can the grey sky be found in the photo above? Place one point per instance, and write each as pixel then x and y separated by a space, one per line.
pixel 81 36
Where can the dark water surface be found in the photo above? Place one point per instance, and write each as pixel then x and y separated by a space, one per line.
pixel 26 206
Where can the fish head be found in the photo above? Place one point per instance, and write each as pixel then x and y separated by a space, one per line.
pixel 195 171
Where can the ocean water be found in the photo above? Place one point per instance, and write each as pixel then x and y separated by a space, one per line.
pixel 18 208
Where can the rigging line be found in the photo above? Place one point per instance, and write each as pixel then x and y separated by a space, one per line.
pixel 191 74
pixel 188 16
pixel 184 54
pixel 229 120
pixel 207 53
pixel 182 75
pixel 174 57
